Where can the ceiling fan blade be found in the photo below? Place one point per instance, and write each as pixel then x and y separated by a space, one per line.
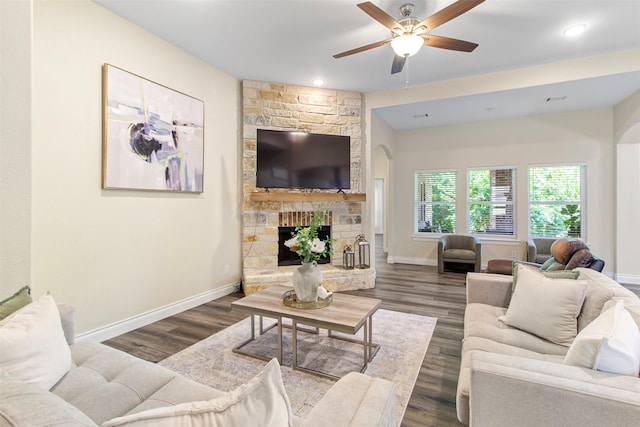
pixel 398 63
pixel 448 13
pixel 361 49
pixel 381 16
pixel 449 43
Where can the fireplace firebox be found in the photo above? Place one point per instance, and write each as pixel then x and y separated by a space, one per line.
pixel 288 257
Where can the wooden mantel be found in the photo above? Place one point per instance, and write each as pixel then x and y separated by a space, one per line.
pixel 263 196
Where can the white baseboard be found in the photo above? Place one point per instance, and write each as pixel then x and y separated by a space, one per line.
pixel 628 279
pixel 118 328
pixel 411 260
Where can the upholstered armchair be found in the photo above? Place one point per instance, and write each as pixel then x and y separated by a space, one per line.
pixel 455 248
pixel 539 249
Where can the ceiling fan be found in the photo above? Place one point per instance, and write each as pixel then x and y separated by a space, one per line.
pixel 409 34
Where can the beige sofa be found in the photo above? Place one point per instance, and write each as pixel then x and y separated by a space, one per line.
pixel 104 383
pixel 509 377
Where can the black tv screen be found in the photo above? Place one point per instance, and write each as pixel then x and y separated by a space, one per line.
pixel 302 160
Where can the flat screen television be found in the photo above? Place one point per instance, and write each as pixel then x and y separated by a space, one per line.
pixel 288 159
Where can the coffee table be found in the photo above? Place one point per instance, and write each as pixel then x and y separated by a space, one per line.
pixel 347 314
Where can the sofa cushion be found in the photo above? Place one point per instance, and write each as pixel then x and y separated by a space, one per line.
pixel 15 302
pixel 263 398
pixel 459 254
pixel 474 345
pixel 105 383
pixel 482 321
pixel 368 399
pixel 546 307
pixel 24 404
pixel 611 343
pixel 33 345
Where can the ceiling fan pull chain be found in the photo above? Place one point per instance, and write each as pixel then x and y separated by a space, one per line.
pixel 406 74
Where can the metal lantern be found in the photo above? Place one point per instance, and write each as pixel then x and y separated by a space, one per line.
pixel 348 258
pixel 364 255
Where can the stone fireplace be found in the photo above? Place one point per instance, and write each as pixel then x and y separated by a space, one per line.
pixel 287 107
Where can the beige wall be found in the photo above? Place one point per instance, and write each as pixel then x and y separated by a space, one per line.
pixel 15 150
pixel 560 138
pixel 117 254
pixel 626 117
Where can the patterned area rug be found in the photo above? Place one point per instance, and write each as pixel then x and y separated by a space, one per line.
pixel 403 340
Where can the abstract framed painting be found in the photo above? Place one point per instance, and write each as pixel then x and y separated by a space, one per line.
pixel 153 136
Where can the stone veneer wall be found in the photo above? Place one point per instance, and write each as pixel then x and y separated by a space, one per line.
pixel 315 110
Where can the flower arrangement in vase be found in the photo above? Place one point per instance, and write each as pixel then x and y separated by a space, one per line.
pixel 306 243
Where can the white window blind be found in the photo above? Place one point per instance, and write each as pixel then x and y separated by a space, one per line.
pixel 435 202
pixel 556 200
pixel 491 208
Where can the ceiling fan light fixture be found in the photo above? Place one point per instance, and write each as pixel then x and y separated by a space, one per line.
pixel 407 45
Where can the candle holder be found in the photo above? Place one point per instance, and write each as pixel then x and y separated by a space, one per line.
pixel 364 254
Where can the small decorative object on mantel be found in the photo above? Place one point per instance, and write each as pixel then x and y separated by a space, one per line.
pixel 310 248
pixel 348 258
pixel 364 256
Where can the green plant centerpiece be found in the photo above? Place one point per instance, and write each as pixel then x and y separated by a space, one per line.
pixel 307 244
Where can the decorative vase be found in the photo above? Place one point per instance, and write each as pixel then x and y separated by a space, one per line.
pixel 306 280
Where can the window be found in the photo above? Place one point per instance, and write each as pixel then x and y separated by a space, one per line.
pixel 490 203
pixel 435 202
pixel 556 200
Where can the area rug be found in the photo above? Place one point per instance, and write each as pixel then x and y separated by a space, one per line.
pixel 403 340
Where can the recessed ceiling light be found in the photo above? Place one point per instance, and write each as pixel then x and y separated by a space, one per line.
pixel 574 30
pixel 318 82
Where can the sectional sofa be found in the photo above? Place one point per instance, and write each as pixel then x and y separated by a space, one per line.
pixel 561 351
pixel 56 382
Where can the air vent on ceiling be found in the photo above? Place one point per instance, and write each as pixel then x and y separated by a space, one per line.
pixel 556 98
pixel 420 116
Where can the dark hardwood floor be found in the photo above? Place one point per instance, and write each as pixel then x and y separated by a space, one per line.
pixel 406 288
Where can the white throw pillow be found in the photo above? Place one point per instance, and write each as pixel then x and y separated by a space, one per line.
pixel 32 343
pixel 546 307
pixel 262 401
pixel 611 343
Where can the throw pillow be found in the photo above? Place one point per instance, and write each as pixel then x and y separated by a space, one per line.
pixel 546 307
pixel 33 345
pixel 551 265
pixel 557 274
pixel 611 343
pixel 563 249
pixel 15 302
pixel 581 258
pixel 595 298
pixel 263 398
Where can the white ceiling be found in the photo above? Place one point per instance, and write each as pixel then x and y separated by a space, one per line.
pixel 292 41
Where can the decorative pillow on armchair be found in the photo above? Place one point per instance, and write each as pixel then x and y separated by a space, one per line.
pixel 581 258
pixel 563 249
